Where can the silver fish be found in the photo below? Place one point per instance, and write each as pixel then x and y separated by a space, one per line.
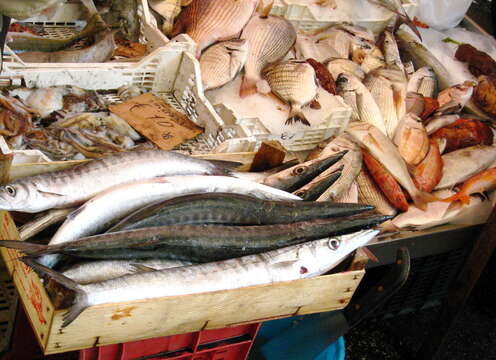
pixel 382 91
pixel 108 207
pixel 220 63
pixel 391 51
pixel 97 271
pixel 439 122
pixel 295 83
pixel 424 82
pixel 73 186
pixel 363 103
pixel 208 21
pixel 270 38
pixel 340 66
pixel 290 263
pixel 399 82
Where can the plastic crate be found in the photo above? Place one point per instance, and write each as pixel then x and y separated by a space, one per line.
pixel 68 20
pixel 223 344
pixel 306 15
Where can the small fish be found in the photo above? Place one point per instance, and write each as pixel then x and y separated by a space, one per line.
pixel 439 122
pixel 270 39
pixel 98 271
pixel 382 91
pixel 101 51
pixel 340 66
pixel 391 51
pixel 424 82
pixel 356 95
pixel 314 189
pixel 386 182
pixel 382 149
pixel 209 21
pixel 478 184
pixel 349 165
pixel 290 263
pixel 370 193
pixel 429 172
pixel 295 83
pixel 295 177
pixel 220 63
pixel 168 10
pixel 399 84
pixel 110 206
pixel 411 139
pixel 461 165
pixel 73 186
pixel 464 133
pixel 421 57
pixel 456 97
pixel 232 209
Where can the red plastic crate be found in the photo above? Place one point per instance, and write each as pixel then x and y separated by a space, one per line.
pixel 232 343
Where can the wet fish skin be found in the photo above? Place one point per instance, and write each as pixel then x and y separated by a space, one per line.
pixel 478 184
pixel 456 96
pixel 380 147
pixel 101 51
pixel 220 63
pixel 411 139
pixel 382 91
pixel 108 207
pixel 424 82
pixel 351 196
pixel 370 193
pixel 399 84
pixel 73 186
pixel 339 66
pixel 208 21
pixel 97 271
pixel 300 261
pixel 295 177
pixel 270 39
pixel 231 209
pixel 295 83
pixel 367 109
pixel 391 50
pixel 314 189
pixel 438 122
pixel 462 164
pixel 429 172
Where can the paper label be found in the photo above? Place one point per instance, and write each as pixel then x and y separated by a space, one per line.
pixel 157 121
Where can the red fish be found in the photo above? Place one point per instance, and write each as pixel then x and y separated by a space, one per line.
pixel 464 133
pixel 386 182
pixel 484 181
pixel 429 172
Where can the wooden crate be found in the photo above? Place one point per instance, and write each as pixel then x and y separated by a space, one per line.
pixel 136 320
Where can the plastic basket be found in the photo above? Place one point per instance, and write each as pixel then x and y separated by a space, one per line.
pixel 306 15
pixel 222 344
pixel 69 19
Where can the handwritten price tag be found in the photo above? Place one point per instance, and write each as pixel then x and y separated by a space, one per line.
pixel 157 120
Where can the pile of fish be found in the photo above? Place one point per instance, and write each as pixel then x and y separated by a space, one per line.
pixel 98 41
pixel 154 223
pixel 65 123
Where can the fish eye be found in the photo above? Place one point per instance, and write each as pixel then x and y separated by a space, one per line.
pixel 299 170
pixel 10 190
pixel 334 244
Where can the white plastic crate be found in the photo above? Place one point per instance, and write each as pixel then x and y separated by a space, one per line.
pixel 68 19
pixel 306 15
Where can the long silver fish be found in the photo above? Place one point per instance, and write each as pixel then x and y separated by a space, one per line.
pixel 110 206
pixel 270 39
pixel 97 271
pixel 290 263
pixel 221 62
pixel 73 186
pixel 101 51
pixel 356 95
pixel 208 21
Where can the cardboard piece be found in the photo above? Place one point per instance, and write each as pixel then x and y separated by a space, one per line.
pixel 157 121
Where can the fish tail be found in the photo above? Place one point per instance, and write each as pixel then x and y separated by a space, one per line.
pixel 25 247
pixel 223 167
pixel 248 87
pixel 296 114
pixel 81 301
pixel 402 18
pixel 422 198
pixel 463 198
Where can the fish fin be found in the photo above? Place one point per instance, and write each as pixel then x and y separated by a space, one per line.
pixel 25 247
pixel 295 114
pixel 422 198
pixel 248 87
pixel 81 302
pixel 264 11
pixel 224 167
pixel 142 268
pixel 464 199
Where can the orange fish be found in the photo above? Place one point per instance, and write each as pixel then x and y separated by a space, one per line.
pixel 464 133
pixel 429 172
pixel 484 181
pixel 386 182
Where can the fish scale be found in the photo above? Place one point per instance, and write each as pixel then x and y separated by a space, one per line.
pixel 381 90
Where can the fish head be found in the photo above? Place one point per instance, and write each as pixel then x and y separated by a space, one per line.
pixel 344 82
pixel 16 197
